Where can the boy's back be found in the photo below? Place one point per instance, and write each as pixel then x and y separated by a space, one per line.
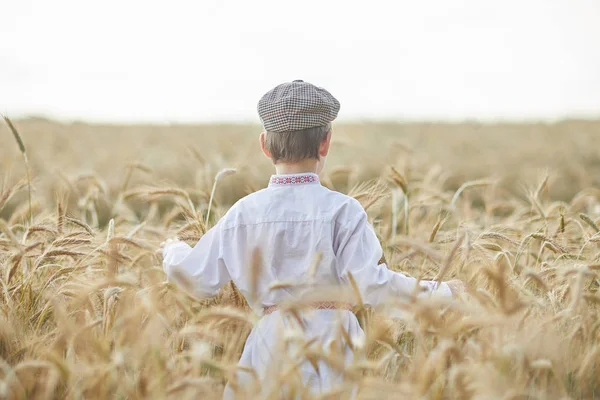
pixel 294 223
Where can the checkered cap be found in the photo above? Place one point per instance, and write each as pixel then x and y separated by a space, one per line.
pixel 297 105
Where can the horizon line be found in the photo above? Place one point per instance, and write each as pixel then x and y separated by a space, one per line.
pixel 340 121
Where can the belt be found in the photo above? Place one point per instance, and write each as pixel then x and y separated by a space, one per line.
pixel 319 305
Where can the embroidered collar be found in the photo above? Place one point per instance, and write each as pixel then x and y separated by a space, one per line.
pixel 293 179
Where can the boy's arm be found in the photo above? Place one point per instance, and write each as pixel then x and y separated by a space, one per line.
pixel 360 253
pixel 200 270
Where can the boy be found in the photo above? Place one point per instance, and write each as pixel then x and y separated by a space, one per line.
pixel 293 222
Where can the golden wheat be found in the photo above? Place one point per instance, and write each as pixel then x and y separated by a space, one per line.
pixel 86 312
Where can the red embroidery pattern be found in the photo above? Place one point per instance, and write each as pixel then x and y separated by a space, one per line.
pixel 283 180
pixel 321 305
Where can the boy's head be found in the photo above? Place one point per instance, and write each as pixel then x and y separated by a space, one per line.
pixel 297 119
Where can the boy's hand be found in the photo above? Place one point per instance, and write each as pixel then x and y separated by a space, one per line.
pixel 456 287
pixel 164 244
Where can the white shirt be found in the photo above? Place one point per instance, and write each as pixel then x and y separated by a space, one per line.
pixel 290 222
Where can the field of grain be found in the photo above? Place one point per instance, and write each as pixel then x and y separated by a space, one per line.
pixel 511 209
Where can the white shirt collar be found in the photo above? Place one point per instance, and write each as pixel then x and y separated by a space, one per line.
pixel 294 179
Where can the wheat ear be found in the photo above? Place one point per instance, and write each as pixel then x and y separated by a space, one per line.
pixel 402 184
pixel 585 218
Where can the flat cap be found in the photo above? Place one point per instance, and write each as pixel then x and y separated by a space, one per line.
pixel 297 105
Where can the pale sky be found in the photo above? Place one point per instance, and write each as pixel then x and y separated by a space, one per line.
pixel 211 60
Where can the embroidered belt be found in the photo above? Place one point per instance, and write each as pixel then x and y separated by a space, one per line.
pixel 320 305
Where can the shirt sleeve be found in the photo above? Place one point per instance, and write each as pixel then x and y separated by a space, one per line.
pixel 200 270
pixel 360 254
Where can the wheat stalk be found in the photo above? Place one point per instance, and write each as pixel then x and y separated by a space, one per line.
pixel 448 262
pixel 220 175
pixel 467 185
pixel 24 153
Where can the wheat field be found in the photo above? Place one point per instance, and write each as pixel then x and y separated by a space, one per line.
pixel 511 209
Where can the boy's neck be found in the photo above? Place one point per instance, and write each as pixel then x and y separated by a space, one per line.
pixel 305 166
